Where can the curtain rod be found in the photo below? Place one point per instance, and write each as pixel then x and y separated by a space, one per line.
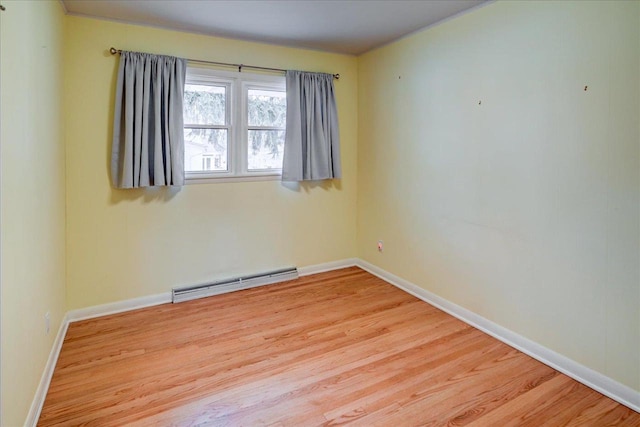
pixel 114 51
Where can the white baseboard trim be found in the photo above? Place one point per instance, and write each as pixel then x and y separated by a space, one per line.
pixel 118 307
pixel 163 298
pixel 47 374
pixel 327 266
pixel 587 376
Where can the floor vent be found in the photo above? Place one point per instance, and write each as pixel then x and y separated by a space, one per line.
pixel 235 284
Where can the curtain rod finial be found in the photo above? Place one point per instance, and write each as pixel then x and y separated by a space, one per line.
pixel 113 51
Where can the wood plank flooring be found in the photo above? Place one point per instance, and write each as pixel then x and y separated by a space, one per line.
pixel 342 347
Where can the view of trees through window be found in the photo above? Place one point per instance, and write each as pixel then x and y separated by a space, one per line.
pixel 206 134
pixel 267 112
pixel 207 129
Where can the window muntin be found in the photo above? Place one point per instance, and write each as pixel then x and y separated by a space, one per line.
pixel 234 124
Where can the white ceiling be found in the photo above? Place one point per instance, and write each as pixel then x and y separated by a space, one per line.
pixel 344 26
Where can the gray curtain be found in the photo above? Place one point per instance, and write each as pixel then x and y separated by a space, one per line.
pixel 312 141
pixel 148 134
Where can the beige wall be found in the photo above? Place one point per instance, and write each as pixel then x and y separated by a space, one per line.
pixel 524 208
pixel 33 196
pixel 129 243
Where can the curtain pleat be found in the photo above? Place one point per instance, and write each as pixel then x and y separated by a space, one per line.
pixel 312 141
pixel 148 135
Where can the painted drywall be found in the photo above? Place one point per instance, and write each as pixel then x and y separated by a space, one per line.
pixel 124 244
pixel 33 196
pixel 498 160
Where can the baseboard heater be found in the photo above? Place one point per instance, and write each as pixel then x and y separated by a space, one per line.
pixel 235 284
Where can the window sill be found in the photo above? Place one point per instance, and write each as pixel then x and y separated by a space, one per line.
pixel 209 179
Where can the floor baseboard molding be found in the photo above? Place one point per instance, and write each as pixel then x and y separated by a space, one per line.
pixel 587 376
pixel 327 266
pixel 118 307
pixel 163 298
pixel 47 374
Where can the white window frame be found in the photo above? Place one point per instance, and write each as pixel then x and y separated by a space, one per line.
pixel 238 84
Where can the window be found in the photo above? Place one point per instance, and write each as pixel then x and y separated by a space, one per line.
pixel 234 124
pixel 266 120
pixel 207 126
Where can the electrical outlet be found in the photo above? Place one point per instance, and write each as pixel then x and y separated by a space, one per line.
pixel 380 246
pixel 47 322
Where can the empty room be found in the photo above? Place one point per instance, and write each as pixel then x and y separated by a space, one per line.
pixel 322 212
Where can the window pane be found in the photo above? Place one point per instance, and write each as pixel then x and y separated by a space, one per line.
pixel 265 149
pixel 267 108
pixel 204 105
pixel 205 150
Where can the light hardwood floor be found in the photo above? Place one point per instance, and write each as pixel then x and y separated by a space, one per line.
pixel 342 347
